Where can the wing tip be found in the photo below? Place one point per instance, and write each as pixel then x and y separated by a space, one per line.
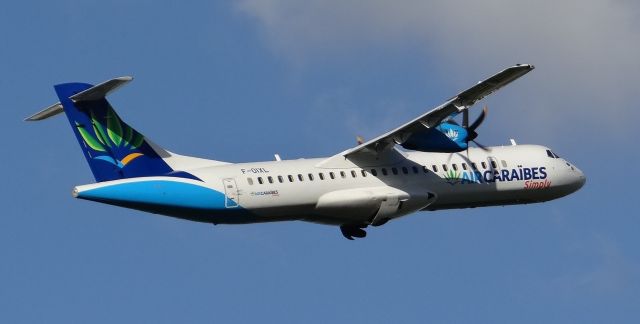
pixel 528 66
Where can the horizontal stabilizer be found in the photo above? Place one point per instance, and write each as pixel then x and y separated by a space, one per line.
pixel 94 93
pixel 101 90
pixel 50 111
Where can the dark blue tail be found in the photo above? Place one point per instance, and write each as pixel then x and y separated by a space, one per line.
pixel 113 149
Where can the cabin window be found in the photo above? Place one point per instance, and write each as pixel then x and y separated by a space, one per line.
pixel 364 173
pixel 415 169
pixel 494 164
pixel 260 180
pixel 310 177
pixel 435 168
pixel 425 169
pixel 455 167
pixel 321 176
pixel 290 178
pixel 353 173
pixel 384 171
pixel 300 177
pixel 405 170
pixel 374 172
pixel 464 166
pixel 394 171
pixel 504 163
pixel 484 165
pixel 474 166
pixel 270 179
pixel 250 181
pixel 332 175
pixel 343 174
pixel 280 179
pixel 444 168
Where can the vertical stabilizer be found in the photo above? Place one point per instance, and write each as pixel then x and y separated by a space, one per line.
pixel 113 149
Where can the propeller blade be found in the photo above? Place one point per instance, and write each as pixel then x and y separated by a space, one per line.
pixel 481 146
pixel 480 119
pixel 465 118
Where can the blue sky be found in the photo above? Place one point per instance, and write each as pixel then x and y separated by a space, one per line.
pixel 239 81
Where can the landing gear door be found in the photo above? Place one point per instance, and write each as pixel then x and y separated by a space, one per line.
pixel 231 193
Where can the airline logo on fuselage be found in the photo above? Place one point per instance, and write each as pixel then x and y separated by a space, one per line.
pixel 535 178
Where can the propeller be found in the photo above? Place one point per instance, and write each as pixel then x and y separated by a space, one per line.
pixel 471 129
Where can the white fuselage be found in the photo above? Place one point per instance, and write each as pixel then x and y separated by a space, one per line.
pixel 368 184
pixel 368 193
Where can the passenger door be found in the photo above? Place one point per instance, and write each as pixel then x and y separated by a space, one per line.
pixel 231 193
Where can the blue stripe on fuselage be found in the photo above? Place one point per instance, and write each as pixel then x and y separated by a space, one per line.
pixel 173 198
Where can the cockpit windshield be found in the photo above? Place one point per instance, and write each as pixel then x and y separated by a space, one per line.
pixel 552 155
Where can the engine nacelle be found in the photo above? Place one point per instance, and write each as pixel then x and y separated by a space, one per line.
pixel 444 138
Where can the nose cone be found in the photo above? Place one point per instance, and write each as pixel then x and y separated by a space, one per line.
pixel 579 179
pixel 582 179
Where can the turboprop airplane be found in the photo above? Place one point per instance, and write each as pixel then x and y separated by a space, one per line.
pixel 369 184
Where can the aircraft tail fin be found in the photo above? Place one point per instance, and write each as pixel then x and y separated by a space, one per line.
pixel 113 149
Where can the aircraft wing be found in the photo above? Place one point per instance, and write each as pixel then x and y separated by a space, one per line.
pixel 433 118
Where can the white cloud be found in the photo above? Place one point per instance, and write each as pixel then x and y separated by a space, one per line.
pixel 587 52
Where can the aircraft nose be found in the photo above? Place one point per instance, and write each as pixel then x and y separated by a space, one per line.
pixel 582 179
pixel 579 178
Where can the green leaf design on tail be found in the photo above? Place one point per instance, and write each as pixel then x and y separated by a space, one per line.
pixel 114 129
pixel 137 141
pixel 89 139
pixel 98 129
pixel 128 133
